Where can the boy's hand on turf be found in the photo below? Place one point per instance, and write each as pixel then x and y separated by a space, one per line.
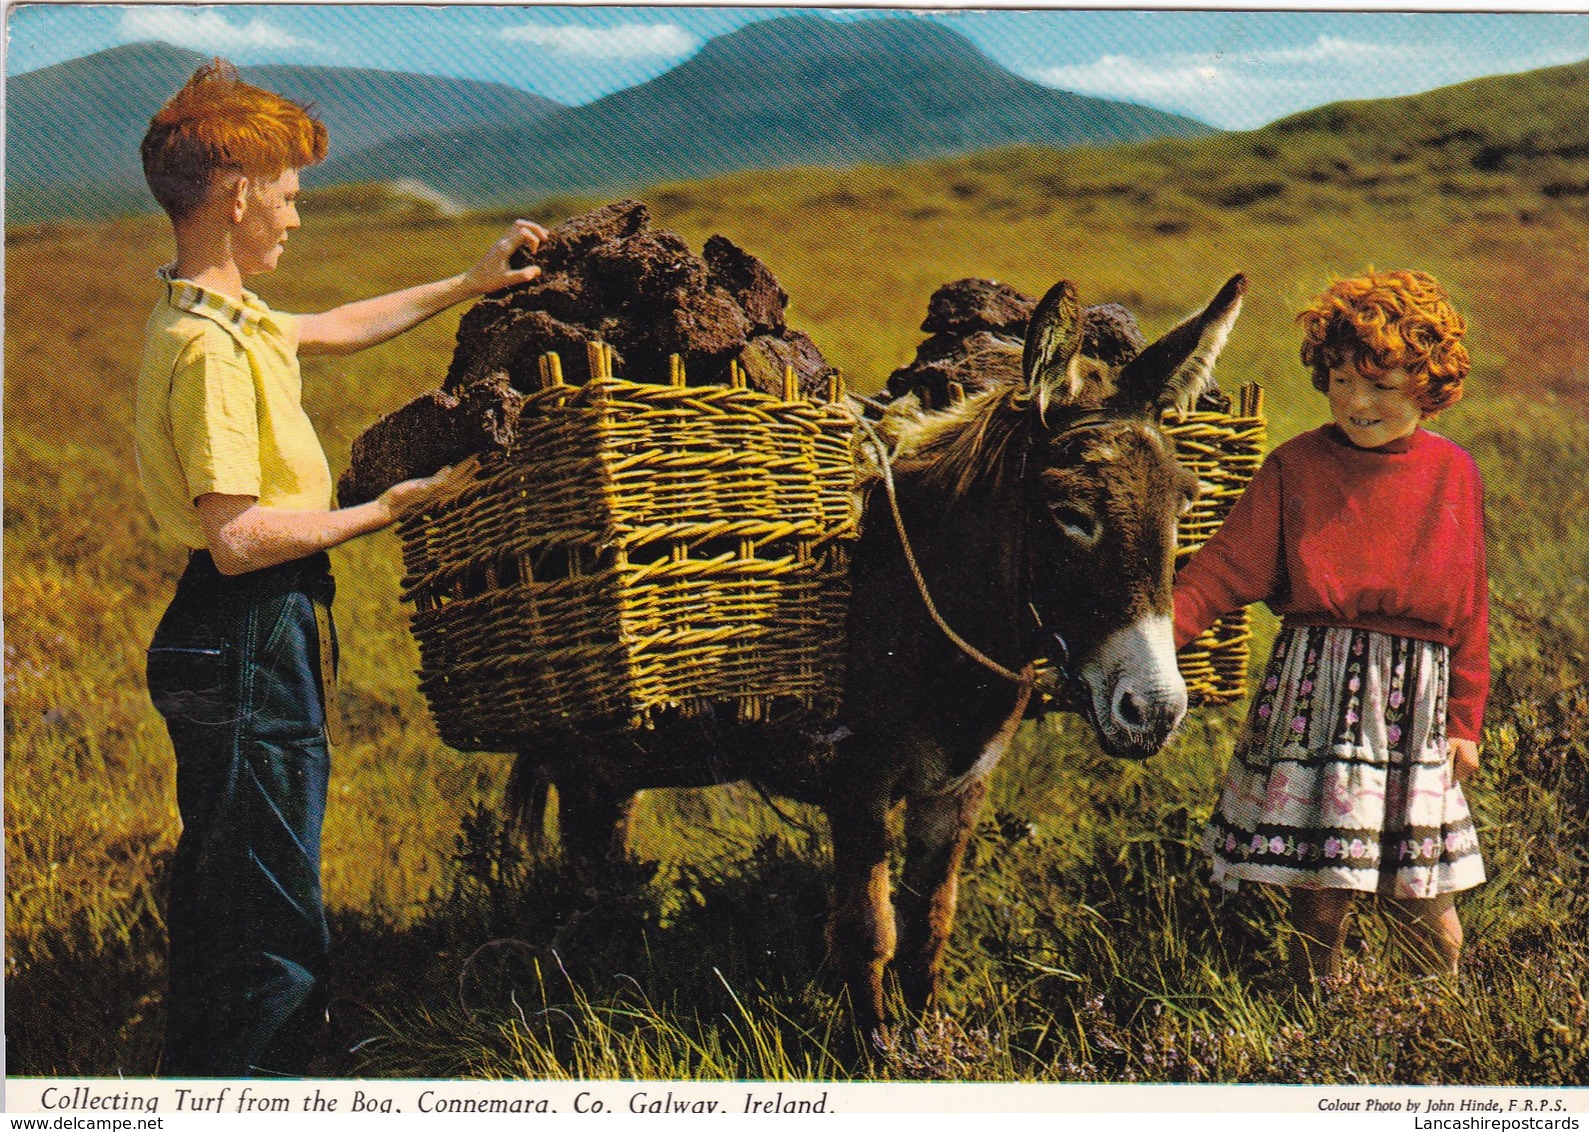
pixel 495 270
pixel 1464 758
pixel 404 498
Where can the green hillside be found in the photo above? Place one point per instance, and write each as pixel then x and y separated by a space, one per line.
pixel 1493 123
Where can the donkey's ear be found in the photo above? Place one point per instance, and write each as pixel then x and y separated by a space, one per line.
pixel 1179 366
pixel 1053 343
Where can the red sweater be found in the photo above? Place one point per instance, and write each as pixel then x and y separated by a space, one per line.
pixel 1389 539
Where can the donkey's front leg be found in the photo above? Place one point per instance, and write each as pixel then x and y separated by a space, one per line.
pixel 861 922
pixel 593 820
pixel 937 830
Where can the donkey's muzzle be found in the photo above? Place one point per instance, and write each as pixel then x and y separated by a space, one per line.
pixel 1138 695
pixel 1144 718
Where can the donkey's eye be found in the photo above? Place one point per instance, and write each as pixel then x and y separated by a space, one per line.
pixel 1075 522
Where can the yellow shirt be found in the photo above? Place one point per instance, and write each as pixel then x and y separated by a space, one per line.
pixel 220 409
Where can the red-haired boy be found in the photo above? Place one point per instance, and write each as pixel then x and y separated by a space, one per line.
pixel 240 663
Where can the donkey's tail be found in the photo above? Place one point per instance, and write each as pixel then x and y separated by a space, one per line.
pixel 527 793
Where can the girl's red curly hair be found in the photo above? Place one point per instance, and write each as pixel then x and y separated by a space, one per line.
pixel 218 124
pixel 1382 321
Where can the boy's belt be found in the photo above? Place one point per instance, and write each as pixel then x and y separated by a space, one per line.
pixel 312 575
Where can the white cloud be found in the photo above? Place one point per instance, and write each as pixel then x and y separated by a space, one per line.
pixel 1244 89
pixel 204 30
pixel 1329 49
pixel 620 41
pixel 1217 90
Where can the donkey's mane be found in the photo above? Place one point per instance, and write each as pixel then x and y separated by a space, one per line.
pixel 952 450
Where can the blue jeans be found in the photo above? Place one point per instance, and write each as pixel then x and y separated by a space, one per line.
pixel 235 668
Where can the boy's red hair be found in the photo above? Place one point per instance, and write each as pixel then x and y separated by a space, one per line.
pixel 218 124
pixel 1382 321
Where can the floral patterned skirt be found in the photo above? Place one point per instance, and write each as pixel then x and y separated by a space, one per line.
pixel 1341 777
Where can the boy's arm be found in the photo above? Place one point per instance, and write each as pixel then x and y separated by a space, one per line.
pixel 243 536
pixel 369 322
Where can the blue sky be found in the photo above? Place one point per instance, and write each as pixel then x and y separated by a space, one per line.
pixel 1231 69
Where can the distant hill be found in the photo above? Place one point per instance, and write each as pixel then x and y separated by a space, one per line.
pixel 1488 145
pixel 797 90
pixel 1488 124
pixel 72 130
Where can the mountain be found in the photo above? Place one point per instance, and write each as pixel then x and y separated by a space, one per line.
pixel 72 130
pixel 796 90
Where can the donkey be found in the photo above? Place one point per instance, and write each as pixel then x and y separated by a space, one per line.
pixel 1032 521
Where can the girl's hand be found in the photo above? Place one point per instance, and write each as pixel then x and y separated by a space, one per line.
pixel 1464 758
pixel 492 273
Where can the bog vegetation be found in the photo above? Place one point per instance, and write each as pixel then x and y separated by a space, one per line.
pixel 1090 944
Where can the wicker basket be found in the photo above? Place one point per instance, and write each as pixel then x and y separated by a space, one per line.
pixel 640 546
pixel 647 546
pixel 1223 451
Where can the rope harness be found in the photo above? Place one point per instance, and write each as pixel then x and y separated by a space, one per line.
pixel 1028 678
pixel 885 462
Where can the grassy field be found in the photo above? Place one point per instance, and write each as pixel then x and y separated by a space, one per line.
pixel 1090 945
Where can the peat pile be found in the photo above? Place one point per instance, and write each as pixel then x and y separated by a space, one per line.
pixel 606 276
pixel 978 334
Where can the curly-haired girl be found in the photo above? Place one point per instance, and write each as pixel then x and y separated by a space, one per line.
pixel 1367 536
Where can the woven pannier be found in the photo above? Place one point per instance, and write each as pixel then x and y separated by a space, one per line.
pixel 1223 450
pixel 638 547
pixel 645 546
